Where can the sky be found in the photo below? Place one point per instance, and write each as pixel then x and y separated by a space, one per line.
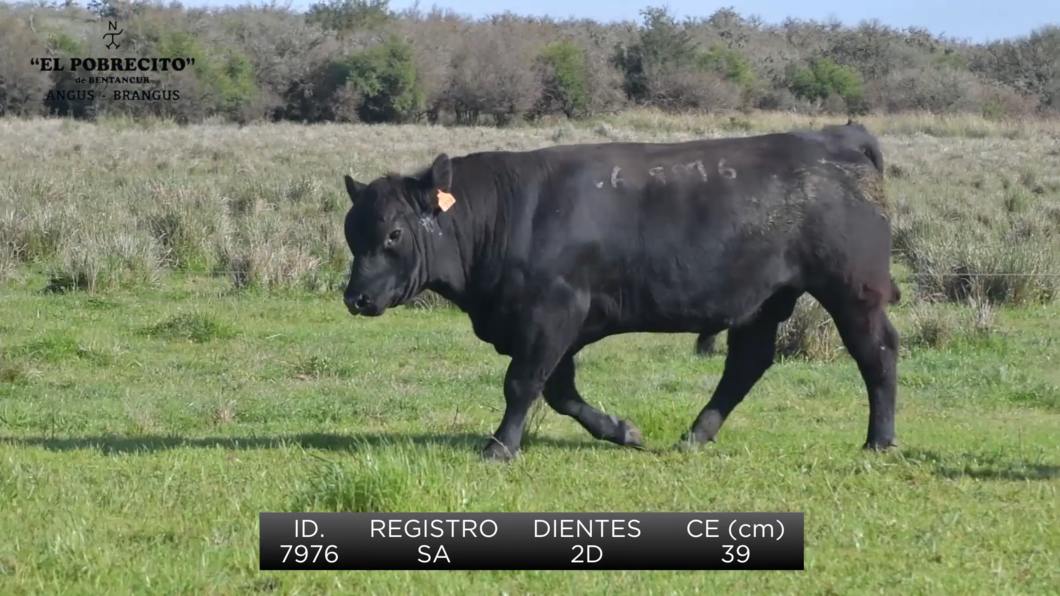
pixel 977 20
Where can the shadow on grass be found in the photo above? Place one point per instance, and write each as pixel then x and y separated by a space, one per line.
pixel 980 466
pixel 323 441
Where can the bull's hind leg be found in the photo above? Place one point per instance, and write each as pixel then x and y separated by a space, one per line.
pixel 872 341
pixel 562 394
pixel 752 349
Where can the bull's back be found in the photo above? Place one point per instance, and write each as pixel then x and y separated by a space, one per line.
pixel 668 228
pixel 650 200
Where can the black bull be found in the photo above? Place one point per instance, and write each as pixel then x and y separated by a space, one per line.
pixel 551 250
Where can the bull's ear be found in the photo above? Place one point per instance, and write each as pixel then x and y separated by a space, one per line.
pixel 353 188
pixel 441 173
pixel 437 181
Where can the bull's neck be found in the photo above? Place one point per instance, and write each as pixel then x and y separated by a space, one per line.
pixel 465 260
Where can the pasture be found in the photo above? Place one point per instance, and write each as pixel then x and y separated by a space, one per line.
pixel 175 358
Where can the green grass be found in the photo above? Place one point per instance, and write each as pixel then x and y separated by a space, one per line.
pixel 141 432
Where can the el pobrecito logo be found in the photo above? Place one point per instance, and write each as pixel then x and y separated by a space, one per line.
pixel 116 69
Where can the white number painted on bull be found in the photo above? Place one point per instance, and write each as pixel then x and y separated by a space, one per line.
pixel 702 170
pixel 679 170
pixel 614 179
pixel 698 164
pixel 688 167
pixel 726 172
pixel 657 172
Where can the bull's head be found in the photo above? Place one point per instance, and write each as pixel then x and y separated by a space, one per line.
pixel 390 228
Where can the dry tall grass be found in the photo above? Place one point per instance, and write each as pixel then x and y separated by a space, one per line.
pixel 976 202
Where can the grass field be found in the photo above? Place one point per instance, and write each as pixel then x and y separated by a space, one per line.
pixel 175 358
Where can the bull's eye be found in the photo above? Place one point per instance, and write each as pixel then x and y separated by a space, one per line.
pixel 393 236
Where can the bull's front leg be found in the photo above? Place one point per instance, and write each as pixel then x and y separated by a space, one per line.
pixel 522 384
pixel 540 336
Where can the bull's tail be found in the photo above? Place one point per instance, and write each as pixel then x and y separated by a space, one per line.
pixel 869 146
pixel 896 293
pixel 872 151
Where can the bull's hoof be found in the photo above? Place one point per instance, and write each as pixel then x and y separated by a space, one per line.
pixel 690 441
pixel 879 445
pixel 496 451
pixel 631 435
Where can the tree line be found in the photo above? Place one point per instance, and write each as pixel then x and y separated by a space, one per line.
pixel 358 60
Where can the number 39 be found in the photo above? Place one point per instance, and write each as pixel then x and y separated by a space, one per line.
pixel 742 551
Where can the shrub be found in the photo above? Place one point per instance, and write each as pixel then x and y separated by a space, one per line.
pixel 730 64
pixel 226 80
pixel 662 48
pixel 385 78
pixel 932 327
pixel 1027 65
pixel 824 79
pixel 492 74
pixel 926 89
pixel 22 87
pixel 346 16
pixel 285 54
pixel 92 262
pixel 809 334
pixel 871 49
pixel 564 79
pixel 66 97
pixel 937 327
pixel 995 269
pixel 691 89
pixel 267 252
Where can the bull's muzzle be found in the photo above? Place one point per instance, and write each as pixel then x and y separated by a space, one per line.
pixel 357 304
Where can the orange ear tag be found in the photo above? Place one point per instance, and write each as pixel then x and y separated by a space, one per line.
pixel 445 200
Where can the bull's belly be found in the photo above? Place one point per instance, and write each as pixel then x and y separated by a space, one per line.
pixel 676 308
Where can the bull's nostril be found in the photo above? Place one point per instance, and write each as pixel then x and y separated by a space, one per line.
pixel 360 303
